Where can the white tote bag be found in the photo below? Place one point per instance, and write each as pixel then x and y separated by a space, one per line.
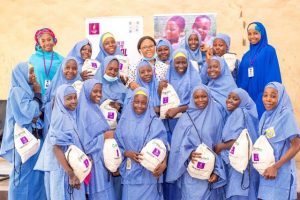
pixel 78 85
pixel 154 153
pixel 169 99
pixel 109 113
pixel 203 168
pixel 79 162
pixel 25 143
pixel 91 66
pixel 262 154
pixel 241 151
pixel 112 155
pixel 124 64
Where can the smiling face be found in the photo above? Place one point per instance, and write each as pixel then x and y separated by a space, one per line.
pixel 146 73
pixel 180 64
pixel 147 48
pixel 112 69
pixel 202 26
pixel 193 42
pixel 254 36
pixel 139 104
pixel 32 77
pixel 200 99
pixel 96 93
pixel 163 52
pixel 213 69
pixel 70 101
pixel 70 69
pixel 270 98
pixel 219 47
pixel 46 42
pixel 86 52
pixel 232 101
pixel 172 32
pixel 110 45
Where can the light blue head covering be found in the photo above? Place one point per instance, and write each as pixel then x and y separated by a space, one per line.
pixel 111 90
pixel 281 118
pixel 165 42
pixel 225 38
pixel 186 138
pixel 183 84
pixel 75 52
pixel 151 87
pixel 221 86
pixel 193 55
pixel 20 108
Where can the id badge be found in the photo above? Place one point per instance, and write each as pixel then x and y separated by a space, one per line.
pixel 47 83
pixel 250 72
pixel 128 164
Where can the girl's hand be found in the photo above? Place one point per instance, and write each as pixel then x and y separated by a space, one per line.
pixel 204 47
pixel 194 156
pixel 36 87
pixel 74 181
pixel 124 79
pixel 218 148
pixel 85 75
pixel 115 105
pixel 133 85
pixel 162 84
pixel 160 169
pixel 171 113
pixel 213 178
pixel 137 157
pixel 108 135
pixel 209 54
pixel 270 172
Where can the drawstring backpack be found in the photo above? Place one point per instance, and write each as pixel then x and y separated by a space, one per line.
pixel 109 113
pixel 169 99
pixel 78 85
pixel 203 168
pixel 91 66
pixel 112 155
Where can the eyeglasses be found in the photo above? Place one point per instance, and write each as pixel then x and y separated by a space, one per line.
pixel 147 47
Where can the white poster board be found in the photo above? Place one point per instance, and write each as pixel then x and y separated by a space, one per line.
pixel 127 32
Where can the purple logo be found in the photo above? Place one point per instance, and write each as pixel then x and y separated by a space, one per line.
pixel 165 100
pixel 86 163
pixel 232 150
pixel 94 65
pixel 256 157
pixel 200 165
pixel 156 152
pixel 111 115
pixel 121 66
pixel 118 153
pixel 24 140
pixel 94 28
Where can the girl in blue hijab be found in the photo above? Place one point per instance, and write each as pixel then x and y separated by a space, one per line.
pixel 24 108
pixel 45 60
pixel 242 114
pixel 137 126
pixel 82 51
pixel 202 123
pixel 67 74
pixel 216 75
pixel 94 129
pixel 279 125
pixel 164 51
pixel 60 181
pixel 259 65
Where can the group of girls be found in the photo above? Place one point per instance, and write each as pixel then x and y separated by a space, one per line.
pixel 214 111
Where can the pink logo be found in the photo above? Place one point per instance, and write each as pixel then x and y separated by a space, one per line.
pixel 121 66
pixel 94 65
pixel 232 150
pixel 110 115
pixel 200 165
pixel 156 152
pixel 86 163
pixel 256 157
pixel 165 100
pixel 94 28
pixel 24 140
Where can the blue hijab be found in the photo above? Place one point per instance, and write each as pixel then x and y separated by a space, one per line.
pixel 75 52
pixel 115 90
pixel 193 55
pixel 186 138
pixel 281 118
pixel 133 132
pixel 225 38
pixel 263 58
pixel 222 85
pixel 165 42
pixel 20 108
pixel 183 84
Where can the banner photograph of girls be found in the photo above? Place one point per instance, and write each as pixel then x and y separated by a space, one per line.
pixel 176 113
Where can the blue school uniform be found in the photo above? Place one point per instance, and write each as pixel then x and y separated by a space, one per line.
pixel 194 127
pixel 75 52
pixel 195 55
pixel 282 120
pixel 263 59
pixel 132 134
pixel 241 186
pixel 63 132
pixel 165 42
pixel 92 125
pixel 24 183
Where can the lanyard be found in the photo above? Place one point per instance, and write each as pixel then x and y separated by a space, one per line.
pixel 47 72
pixel 251 60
